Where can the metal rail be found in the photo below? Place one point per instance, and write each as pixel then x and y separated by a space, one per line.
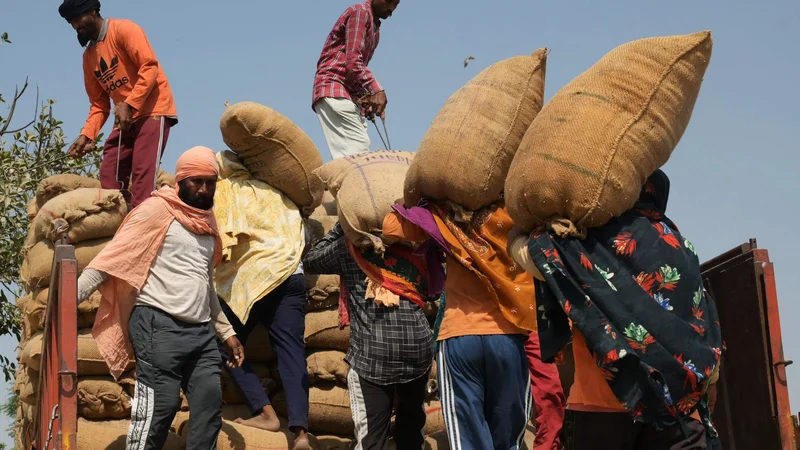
pixel 56 424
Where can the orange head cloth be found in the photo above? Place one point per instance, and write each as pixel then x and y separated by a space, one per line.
pixel 196 162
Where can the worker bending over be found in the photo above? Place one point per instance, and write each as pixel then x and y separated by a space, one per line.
pixel 119 64
pixel 159 305
pixel 346 93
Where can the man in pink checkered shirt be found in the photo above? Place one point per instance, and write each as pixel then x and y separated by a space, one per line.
pixel 346 93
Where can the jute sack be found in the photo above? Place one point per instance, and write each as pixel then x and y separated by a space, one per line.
pixel 366 186
pixel 53 186
pixel 38 262
pixel 334 443
pixel 587 155
pixel 26 384
pixel 259 347
pixel 319 226
pixel 331 176
pixel 313 305
pixel 320 287
pixel 229 412
pixel 274 150
pixel 165 179
pixel 365 199
pixel 233 436
pixel 35 310
pixel 434 423
pixel 102 398
pixel 329 409
pixel 325 366
pixel 465 155
pixel 82 214
pixel 90 362
pixel 112 435
pixel 322 331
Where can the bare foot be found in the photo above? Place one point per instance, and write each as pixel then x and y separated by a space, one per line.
pixel 301 440
pixel 267 420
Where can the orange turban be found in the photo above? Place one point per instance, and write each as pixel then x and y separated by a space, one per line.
pixel 196 162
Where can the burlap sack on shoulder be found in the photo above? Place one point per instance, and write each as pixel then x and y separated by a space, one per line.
pixel 112 435
pixel 102 398
pixel 38 262
pixel 587 155
pixel 365 186
pixel 332 174
pixel 327 366
pixel 90 362
pixel 329 409
pixel 53 186
pixel 274 150
pixel 466 153
pixel 322 331
pixel 82 214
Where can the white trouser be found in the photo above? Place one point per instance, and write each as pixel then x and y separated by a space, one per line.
pixel 344 127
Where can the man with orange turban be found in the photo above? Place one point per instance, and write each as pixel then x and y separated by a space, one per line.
pixel 160 306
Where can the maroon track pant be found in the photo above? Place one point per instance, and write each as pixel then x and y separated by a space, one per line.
pixel 548 397
pixel 131 158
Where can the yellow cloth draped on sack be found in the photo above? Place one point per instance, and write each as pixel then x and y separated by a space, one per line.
pixel 262 236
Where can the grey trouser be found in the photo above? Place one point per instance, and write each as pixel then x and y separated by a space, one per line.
pixel 170 355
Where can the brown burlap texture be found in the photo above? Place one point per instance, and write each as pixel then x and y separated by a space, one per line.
pixel 587 155
pixel 466 153
pixel 274 150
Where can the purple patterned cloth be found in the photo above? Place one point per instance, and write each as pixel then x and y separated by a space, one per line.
pixel 433 250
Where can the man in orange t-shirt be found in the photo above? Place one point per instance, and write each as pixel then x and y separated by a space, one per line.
pixel 489 313
pixel 119 64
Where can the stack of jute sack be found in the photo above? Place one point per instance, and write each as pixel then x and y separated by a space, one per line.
pixel 75 207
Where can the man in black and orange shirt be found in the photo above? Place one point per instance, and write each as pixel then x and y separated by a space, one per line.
pixel 119 64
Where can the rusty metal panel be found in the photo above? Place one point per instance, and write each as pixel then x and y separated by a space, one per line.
pixel 56 416
pixel 752 410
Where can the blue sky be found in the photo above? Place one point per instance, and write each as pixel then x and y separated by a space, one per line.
pixel 733 174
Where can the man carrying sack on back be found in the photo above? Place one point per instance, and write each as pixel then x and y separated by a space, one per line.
pixel 346 93
pixel 159 305
pixel 391 344
pixel 119 64
pixel 260 280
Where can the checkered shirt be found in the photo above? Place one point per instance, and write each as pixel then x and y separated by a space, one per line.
pixel 388 345
pixel 342 67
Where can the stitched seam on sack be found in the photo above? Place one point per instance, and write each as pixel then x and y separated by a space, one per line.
pixel 493 165
pixel 645 108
